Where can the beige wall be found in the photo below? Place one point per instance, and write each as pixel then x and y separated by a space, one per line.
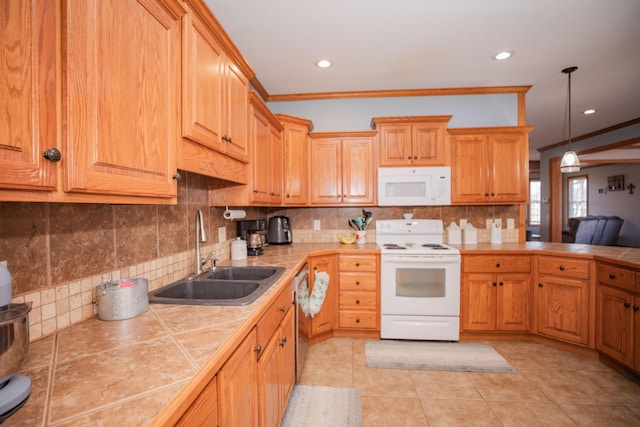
pixel 58 252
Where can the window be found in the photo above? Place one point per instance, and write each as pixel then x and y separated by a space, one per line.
pixel 534 202
pixel 577 187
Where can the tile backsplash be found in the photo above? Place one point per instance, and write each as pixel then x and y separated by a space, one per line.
pixel 58 253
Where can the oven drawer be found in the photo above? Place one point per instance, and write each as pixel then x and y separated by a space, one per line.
pixel 564 267
pixel 358 320
pixel 496 263
pixel 359 263
pixel 358 282
pixel 358 300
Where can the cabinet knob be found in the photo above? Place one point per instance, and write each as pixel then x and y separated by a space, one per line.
pixel 357 320
pixel 281 309
pixel 357 264
pixel 415 157
pixel 177 176
pixel 288 196
pixel 357 282
pixel 494 284
pixel 497 264
pixel 561 268
pixel 257 349
pixel 357 301
pixel 636 308
pixel 408 157
pixel 501 283
pixel 226 138
pixel 492 194
pixel 540 285
pixel 486 194
pixel 612 276
pixel 627 305
pixel 52 154
pixel 315 268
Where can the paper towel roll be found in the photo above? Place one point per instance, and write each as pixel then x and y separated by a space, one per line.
pixel 234 214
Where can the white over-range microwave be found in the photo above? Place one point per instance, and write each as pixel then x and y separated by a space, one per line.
pixel 419 186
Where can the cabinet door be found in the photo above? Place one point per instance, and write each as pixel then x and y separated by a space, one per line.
pixel 563 308
pixel 469 173
pixel 269 382
pixel 326 173
pixel 296 164
pixel 512 302
pixel 202 97
pixel 508 174
pixel 28 87
pixel 276 153
pixel 235 113
pixel 260 134
pixel 395 145
pixel 478 295
pixel 636 328
pixel 357 171
pixel 325 320
pixel 428 145
pixel 614 327
pixel 121 96
pixel 203 412
pixel 237 393
pixel 287 360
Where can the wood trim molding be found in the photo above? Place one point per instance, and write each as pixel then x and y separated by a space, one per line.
pixel 347 134
pixel 555 200
pixel 399 93
pixel 592 134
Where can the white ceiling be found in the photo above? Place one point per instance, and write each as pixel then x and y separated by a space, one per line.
pixel 423 44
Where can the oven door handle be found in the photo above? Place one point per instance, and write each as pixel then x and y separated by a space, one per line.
pixel 421 258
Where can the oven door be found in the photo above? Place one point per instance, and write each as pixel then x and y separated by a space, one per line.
pixel 421 285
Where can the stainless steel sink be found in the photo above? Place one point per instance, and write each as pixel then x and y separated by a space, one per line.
pixel 223 286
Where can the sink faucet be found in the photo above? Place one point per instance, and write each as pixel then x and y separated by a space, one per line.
pixel 201 237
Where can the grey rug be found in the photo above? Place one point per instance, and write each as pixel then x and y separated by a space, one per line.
pixel 323 406
pixel 435 356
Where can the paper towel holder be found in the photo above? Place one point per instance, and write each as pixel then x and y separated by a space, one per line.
pixel 233 214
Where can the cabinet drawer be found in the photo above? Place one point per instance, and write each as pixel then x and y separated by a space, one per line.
pixel 358 282
pixel 358 300
pixel 564 267
pixel 496 263
pixel 269 322
pixel 615 276
pixel 358 320
pixel 358 263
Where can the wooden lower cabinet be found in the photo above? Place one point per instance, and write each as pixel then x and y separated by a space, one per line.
pixel 324 322
pixel 359 300
pixel 496 293
pixel 237 390
pixel 563 299
pixel 203 412
pixel 276 372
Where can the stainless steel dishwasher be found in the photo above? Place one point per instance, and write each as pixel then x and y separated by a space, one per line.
pixel 300 281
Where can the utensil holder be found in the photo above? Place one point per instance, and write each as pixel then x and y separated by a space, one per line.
pixel 361 237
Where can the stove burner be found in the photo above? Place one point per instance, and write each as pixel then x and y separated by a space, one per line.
pixel 393 246
pixel 434 246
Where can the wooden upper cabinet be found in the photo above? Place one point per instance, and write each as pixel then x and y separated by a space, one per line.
pixel 28 94
pixel 295 136
pixel 489 165
pixel 235 112
pixel 121 96
pixel 342 168
pixel 413 141
pixel 266 166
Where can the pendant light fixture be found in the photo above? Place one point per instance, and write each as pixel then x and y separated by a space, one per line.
pixel 570 161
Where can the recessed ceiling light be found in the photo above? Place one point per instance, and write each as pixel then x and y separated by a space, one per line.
pixel 324 63
pixel 501 56
pixel 589 111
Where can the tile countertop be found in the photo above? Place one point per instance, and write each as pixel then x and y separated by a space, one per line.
pixel 125 372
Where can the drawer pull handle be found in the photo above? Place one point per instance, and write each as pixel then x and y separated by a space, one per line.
pixel 540 285
pixel 357 264
pixel 562 268
pixel 612 276
pixel 357 282
pixel 497 264
pixel 281 309
pixel 257 349
pixel 627 305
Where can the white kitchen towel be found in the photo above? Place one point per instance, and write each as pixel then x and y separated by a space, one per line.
pixel 319 292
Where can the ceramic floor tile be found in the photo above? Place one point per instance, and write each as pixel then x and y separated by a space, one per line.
pixel 593 415
pixel 564 386
pixel 100 379
pixel 337 350
pixel 507 387
pixel 444 385
pixel 327 374
pixel 466 413
pixel 359 356
pixel 392 412
pixel 530 414
pixel 383 382
pixel 623 389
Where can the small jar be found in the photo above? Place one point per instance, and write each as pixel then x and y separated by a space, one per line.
pixel 238 249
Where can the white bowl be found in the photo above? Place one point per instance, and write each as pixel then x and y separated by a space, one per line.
pixel 407 216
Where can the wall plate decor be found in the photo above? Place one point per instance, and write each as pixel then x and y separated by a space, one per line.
pixel 615 183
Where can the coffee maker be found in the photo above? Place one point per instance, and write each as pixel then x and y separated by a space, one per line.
pixel 254 232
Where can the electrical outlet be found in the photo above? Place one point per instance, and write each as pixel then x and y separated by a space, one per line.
pixel 222 234
pixel 510 223
pixel 4 263
pixel 316 224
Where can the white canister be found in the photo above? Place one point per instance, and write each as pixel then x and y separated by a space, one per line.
pixel 238 249
pixel 495 236
pixel 469 235
pixel 454 234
